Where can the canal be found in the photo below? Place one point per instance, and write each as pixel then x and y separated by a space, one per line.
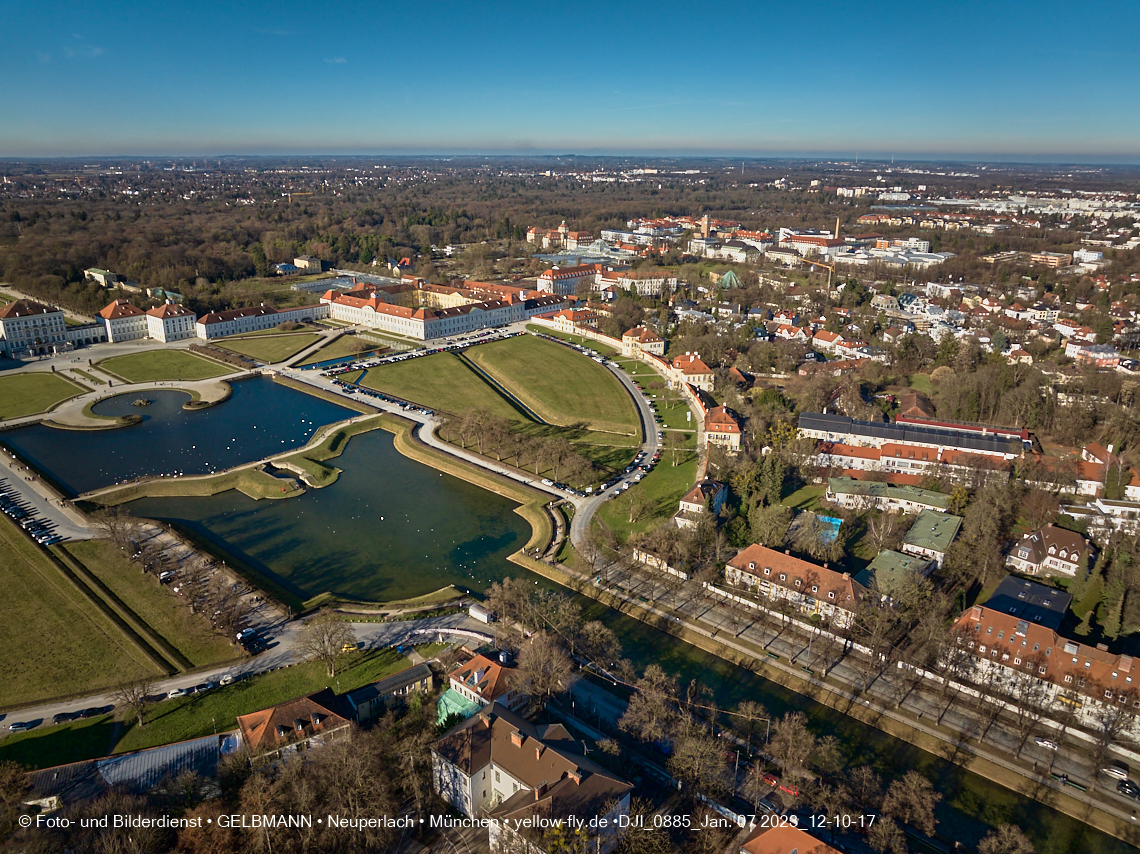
pixel 391 528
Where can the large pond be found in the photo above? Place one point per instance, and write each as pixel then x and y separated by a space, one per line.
pixel 261 418
pixel 389 528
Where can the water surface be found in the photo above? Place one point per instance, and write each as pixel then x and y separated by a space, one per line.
pixel 261 418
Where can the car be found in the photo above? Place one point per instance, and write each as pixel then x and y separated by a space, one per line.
pixel 1117 769
pixel 91 712
pixel 226 680
pixel 246 633
pixel 22 726
pixel 348 647
pixel 1046 743
pixel 770 779
pixel 1129 789
pixel 176 693
pixel 63 717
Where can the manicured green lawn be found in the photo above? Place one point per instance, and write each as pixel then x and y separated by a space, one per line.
pixel 54 640
pixel 562 386
pixel 440 381
pixel 805 498
pixel 345 345
pixel 663 488
pixel 197 715
pixel 155 365
pixel 920 383
pixel 156 604
pixel 575 339
pixel 270 348
pixel 673 411
pixel 27 394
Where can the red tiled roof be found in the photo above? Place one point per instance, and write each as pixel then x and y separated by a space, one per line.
pixel 720 420
pixel 690 364
pixel 756 558
pixel 24 308
pixel 120 308
pixel 169 309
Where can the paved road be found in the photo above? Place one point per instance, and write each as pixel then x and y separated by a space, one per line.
pixel 66 521
pixel 282 651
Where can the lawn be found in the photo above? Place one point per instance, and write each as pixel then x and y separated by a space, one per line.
pixel 89 377
pixel 558 384
pixel 920 383
pixel 27 394
pixel 663 488
pixel 196 715
pixel 575 339
pixel 673 411
pixel 345 345
pixel 55 641
pixel 270 348
pixel 155 604
pixel 440 381
pixel 805 498
pixel 155 365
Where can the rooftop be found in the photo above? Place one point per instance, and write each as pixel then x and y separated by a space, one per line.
pixel 933 530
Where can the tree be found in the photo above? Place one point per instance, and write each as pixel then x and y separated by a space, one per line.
pixel 698 759
pixel 887 837
pixel 652 711
pixel 1006 839
pixel 137 695
pixel 748 714
pixel 911 800
pixel 544 668
pixel 792 744
pixel 769 525
pixel 674 443
pixel 598 643
pixel 14 784
pixel 324 638
pixel 117 525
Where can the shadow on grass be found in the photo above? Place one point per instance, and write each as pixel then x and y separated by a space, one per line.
pixel 58 745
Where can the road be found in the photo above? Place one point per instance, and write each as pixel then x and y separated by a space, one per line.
pixel 282 652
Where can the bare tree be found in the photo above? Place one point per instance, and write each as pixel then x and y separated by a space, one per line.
pixel 544 668
pixel 324 638
pixel 748 714
pixel 1005 839
pixel 698 759
pixel 652 711
pixel 887 837
pixel 136 695
pixel 117 525
pixel 792 744
pixel 911 799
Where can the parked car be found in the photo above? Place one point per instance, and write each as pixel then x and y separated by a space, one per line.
pixel 771 779
pixel 1046 743
pixel 1117 769
pixel 63 717
pixel 177 692
pixel 22 726
pixel 1129 789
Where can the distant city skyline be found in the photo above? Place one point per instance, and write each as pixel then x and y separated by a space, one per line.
pixel 1044 82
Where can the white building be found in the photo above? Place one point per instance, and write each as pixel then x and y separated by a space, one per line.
pixel 123 321
pixel 29 328
pixel 169 322
pixel 220 324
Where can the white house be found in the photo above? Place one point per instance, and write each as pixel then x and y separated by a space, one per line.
pixel 123 321
pixel 169 322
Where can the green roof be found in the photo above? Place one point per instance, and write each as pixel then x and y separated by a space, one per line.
pixel 730 280
pixel 933 530
pixel 889 568
pixel 851 486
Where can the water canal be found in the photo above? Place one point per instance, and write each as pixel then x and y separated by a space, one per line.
pixel 261 418
pixel 391 528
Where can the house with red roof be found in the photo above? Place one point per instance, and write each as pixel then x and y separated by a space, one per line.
pixel 308 720
pixel 123 321
pixel 641 340
pixel 688 368
pixel 169 322
pixel 722 428
pixel 30 326
pixel 807 587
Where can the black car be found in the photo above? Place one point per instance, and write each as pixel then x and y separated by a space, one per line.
pixel 1128 788
pixel 63 717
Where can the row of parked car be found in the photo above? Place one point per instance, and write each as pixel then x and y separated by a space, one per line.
pixel 62 718
pixel 41 530
pixel 586 351
pixel 451 345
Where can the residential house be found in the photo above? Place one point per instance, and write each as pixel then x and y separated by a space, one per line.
pixel 306 720
pixel 688 368
pixel 1052 551
pixel 498 765
pixel 825 341
pixel 722 428
pixel 807 587
pixel 916 405
pixel 890 572
pixel 861 494
pixel 641 340
pixel 391 692
pixel 105 278
pixel 931 535
pixel 706 495
pixel 780 838
pixel 485 681
pixel 1030 600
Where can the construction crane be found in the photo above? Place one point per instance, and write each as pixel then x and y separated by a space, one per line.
pixel 829 267
pixel 291 195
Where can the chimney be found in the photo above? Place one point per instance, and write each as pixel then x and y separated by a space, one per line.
pixel 575 775
pixel 538 751
pixel 787 551
pixel 846 575
pixel 517 738
pixel 1103 647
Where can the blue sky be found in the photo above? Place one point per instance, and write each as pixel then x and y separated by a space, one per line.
pixel 1034 80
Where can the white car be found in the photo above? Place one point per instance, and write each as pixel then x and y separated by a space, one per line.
pixel 176 693
pixel 1046 743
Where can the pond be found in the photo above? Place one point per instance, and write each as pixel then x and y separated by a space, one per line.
pixel 261 418
pixel 389 528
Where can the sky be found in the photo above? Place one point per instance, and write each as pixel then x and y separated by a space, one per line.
pixel 963 79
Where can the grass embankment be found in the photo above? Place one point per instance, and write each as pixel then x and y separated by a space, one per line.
pixel 531 501
pixel 250 481
pixel 158 365
pixel 355 606
pixel 441 381
pixel 659 491
pixel 163 611
pixel 312 459
pixel 269 348
pixel 27 394
pixel 56 641
pixel 558 384
pixel 339 348
pixel 197 715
